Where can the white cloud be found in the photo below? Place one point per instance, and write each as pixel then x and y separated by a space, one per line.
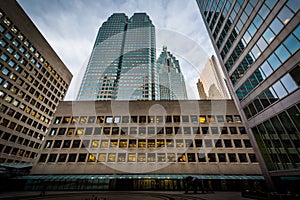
pixel 71 27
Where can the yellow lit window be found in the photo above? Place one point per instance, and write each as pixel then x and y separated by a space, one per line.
pixel 181 158
pixel 92 158
pixel 131 157
pixel 82 120
pixel 79 131
pixel 74 120
pixel 95 143
pixel 102 157
pixel 27 110
pixel 111 157
pixel 104 143
pixel 202 119
pixel 71 131
pixel 141 157
pixel 38 115
pixel 33 113
pixel 121 157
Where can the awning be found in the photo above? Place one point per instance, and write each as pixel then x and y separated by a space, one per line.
pixel 143 176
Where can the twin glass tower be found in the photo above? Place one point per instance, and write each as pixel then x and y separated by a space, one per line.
pixel 122 65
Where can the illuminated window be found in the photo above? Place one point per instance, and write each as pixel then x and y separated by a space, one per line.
pixel 111 157
pixel 71 131
pixel 102 157
pixel 141 157
pixel 202 119
pixel 83 120
pixel 95 143
pixel 104 143
pixel 79 131
pixel 132 143
pixel 109 120
pixel 131 157
pixel 66 120
pixel 171 157
pixel 179 143
pixel 121 157
pixel 142 143
pixel 74 120
pixel 161 157
pixel 113 143
pixel 100 119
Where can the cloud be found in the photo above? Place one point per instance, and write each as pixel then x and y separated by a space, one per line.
pixel 71 26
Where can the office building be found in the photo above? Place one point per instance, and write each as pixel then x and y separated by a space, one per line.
pixel 257 43
pixel 211 84
pixel 122 62
pixel 171 80
pixel 33 81
pixel 145 145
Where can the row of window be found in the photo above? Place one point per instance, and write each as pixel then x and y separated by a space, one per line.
pixel 282 52
pixel 221 19
pixel 16 152
pixel 32 49
pixel 289 46
pixel 286 125
pixel 149 143
pixel 237 29
pixel 24 85
pixel 148 157
pixel 280 89
pixel 146 130
pixel 17 104
pixel 250 32
pixel 52 94
pixel 149 119
pixel 18 116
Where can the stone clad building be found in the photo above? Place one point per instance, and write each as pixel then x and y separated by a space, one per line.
pixel 149 140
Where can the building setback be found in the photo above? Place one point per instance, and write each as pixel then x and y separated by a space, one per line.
pixel 33 81
pixel 146 144
pixel 171 80
pixel 257 43
pixel 122 63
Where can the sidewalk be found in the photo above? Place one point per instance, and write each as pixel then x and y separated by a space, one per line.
pixel 115 195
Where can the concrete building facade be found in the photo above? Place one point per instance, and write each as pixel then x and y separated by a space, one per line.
pixel 33 80
pixel 147 142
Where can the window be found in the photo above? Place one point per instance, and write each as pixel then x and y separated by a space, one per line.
pixel 227 143
pixel 82 157
pixel 52 157
pixel 72 157
pixel 91 158
pixel 220 118
pixel 232 157
pixel 62 157
pixel 204 130
pixel 222 157
pixel 57 144
pixel 242 157
pixel 211 157
pixel 76 144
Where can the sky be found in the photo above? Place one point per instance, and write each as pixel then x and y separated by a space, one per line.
pixel 71 26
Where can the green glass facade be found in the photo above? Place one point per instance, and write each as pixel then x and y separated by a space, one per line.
pixel 257 43
pixel 171 80
pixel 122 63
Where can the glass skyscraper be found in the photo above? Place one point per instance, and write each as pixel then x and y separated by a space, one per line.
pixel 257 43
pixel 122 63
pixel 171 80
